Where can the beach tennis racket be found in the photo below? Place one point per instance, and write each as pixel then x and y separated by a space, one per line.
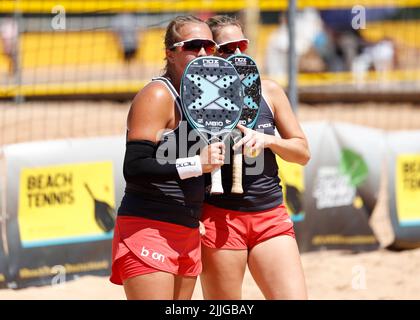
pixel 251 83
pixel 212 98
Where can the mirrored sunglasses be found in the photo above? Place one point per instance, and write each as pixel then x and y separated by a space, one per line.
pixel 230 47
pixel 195 45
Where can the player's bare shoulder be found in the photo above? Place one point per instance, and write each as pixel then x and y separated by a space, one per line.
pixel 270 86
pixel 152 105
pixel 154 93
pixel 274 94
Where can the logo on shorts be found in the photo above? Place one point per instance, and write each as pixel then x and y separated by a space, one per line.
pixel 154 254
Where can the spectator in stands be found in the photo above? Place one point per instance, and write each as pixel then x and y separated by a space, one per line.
pixel 125 27
pixel 383 55
pixel 9 36
pixel 349 44
pixel 379 56
pixel 309 30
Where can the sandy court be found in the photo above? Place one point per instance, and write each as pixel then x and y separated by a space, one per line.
pixel 329 275
pixel 380 274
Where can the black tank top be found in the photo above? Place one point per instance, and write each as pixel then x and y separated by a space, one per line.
pixel 261 191
pixel 177 201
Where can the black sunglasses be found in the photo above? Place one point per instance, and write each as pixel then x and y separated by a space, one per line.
pixel 195 45
pixel 230 47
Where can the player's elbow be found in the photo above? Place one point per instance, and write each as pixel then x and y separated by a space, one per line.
pixel 128 172
pixel 305 157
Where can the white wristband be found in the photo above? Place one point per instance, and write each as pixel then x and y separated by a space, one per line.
pixel 189 167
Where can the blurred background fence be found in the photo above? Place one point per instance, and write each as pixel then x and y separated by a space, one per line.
pixel 347 51
pixel 76 47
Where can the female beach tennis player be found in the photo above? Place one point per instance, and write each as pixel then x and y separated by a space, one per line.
pixel 254 228
pixel 156 246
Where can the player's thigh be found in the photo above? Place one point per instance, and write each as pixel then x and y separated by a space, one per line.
pixel 223 273
pixel 152 286
pixel 276 268
pixel 184 287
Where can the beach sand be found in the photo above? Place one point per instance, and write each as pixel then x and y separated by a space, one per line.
pixel 379 274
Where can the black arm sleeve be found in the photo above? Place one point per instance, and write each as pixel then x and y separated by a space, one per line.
pixel 140 163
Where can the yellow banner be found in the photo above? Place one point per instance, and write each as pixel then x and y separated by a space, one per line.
pixel 407 187
pixel 105 6
pixel 293 184
pixel 66 204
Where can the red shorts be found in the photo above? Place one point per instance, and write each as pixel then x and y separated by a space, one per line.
pixel 229 229
pixel 142 246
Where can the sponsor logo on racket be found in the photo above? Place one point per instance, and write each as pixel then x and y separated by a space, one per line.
pixel 210 63
pixel 214 123
pixel 240 61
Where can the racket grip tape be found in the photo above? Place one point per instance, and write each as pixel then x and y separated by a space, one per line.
pixel 237 173
pixel 216 182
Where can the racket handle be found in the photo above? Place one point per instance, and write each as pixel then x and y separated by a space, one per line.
pixel 237 173
pixel 216 182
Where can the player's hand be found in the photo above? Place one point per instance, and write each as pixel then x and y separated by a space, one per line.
pixel 212 156
pixel 254 142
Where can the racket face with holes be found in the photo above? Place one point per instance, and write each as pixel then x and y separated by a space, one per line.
pixel 212 96
pixel 251 83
